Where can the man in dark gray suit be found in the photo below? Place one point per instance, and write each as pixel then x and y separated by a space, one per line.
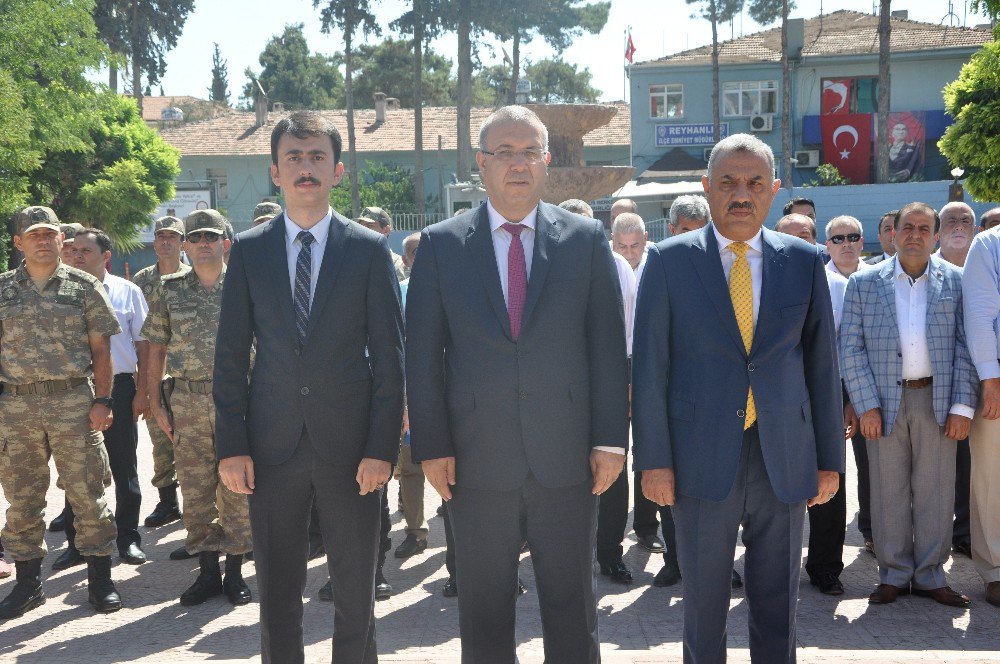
pixel 736 402
pixel 319 421
pixel 518 394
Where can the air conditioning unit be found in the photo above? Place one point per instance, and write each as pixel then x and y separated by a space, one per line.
pixel 761 122
pixel 806 158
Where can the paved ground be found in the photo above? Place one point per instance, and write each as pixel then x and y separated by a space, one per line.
pixel 640 624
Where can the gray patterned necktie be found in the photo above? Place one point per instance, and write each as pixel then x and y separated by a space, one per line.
pixel 303 282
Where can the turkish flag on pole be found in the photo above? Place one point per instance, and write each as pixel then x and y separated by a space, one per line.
pixel 847 144
pixel 629 49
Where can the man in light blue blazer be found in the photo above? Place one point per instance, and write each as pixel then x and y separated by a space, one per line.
pixel 907 368
pixel 723 310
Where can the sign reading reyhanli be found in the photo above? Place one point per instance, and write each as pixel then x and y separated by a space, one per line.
pixel 673 135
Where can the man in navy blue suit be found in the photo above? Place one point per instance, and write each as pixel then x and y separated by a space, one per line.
pixel 737 411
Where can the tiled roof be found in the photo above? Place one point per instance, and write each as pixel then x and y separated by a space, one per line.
pixel 152 107
pixel 237 133
pixel 843 32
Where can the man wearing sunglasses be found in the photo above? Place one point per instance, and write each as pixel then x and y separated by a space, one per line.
pixel 844 242
pixel 181 329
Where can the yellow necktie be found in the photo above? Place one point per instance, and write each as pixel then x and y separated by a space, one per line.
pixel 741 293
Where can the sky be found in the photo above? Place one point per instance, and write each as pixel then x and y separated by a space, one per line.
pixel 658 27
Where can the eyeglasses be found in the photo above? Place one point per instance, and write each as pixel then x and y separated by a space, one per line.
pixel 530 155
pixel 839 239
pixel 198 236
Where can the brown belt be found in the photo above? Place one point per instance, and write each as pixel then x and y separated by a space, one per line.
pixel 193 386
pixel 46 386
pixel 917 383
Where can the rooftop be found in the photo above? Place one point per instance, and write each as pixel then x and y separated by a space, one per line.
pixel 237 133
pixel 842 32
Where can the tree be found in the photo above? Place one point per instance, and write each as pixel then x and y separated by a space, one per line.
pixel 117 181
pixel 973 141
pixel 766 12
pixel 385 185
pixel 553 81
pixel 884 84
pixel 293 76
pixel 464 98
pixel 219 92
pixel 388 67
pixel 349 16
pixel 717 11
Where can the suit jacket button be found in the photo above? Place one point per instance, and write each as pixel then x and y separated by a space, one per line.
pixel 304 391
pixel 523 395
pixel 899 382
pixel 741 414
pixel 751 367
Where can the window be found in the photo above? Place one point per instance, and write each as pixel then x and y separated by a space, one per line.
pixel 746 98
pixel 219 179
pixel 666 101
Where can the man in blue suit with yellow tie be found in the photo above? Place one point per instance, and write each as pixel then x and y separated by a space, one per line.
pixel 737 407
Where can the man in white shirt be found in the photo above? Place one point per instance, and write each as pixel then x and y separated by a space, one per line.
pixel 844 241
pixel 91 252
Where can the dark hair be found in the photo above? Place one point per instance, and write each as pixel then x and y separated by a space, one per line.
pixel 890 213
pixel 100 237
pixel 797 201
pixel 923 208
pixel 303 124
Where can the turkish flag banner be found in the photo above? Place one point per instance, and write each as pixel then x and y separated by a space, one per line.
pixel 847 144
pixel 836 97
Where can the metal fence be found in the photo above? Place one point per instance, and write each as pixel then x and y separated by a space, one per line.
pixel 411 221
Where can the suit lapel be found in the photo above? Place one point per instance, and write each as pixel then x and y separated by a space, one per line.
pixel 771 280
pixel 276 264
pixel 709 268
pixel 333 258
pixel 935 282
pixel 479 242
pixel 887 286
pixel 546 238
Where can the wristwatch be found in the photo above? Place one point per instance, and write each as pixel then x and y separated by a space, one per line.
pixel 107 402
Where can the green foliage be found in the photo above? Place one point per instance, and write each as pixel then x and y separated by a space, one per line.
pixel 219 91
pixel 388 67
pixel 973 141
pixel 992 9
pixel 553 81
pixel 293 76
pixel 556 21
pixel 143 30
pixel 384 185
pixel 827 175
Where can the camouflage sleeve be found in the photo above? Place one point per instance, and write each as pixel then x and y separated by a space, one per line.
pixel 156 329
pixel 98 313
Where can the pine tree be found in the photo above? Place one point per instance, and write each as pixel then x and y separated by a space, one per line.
pixel 219 92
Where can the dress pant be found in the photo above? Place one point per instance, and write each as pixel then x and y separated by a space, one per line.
pixel 985 447
pixel 860 447
pixel 706 538
pixel 449 542
pixel 121 441
pixel 411 486
pixel 913 495
pixel 561 525
pixel 644 510
pixel 612 520
pixel 279 516
pixel 960 529
pixel 827 530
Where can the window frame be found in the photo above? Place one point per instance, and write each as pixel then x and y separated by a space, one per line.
pixel 664 94
pixel 742 89
pixel 219 177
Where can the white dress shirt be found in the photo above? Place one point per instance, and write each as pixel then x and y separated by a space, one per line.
pixel 320 233
pixel 641 267
pixel 131 308
pixel 838 289
pixel 630 291
pixel 755 256
pixel 911 318
pixel 501 248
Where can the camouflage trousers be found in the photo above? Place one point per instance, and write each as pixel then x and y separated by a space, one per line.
pixel 164 473
pixel 34 428
pixel 216 519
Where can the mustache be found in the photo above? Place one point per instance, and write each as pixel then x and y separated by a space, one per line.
pixel 740 205
pixel 307 180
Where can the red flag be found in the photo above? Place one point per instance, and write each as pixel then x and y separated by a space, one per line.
pixel 629 49
pixel 847 144
pixel 836 96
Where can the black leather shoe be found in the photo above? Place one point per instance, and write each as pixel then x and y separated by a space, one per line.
pixel 181 554
pixel 963 547
pixel 71 557
pixel 870 546
pixel 382 588
pixel 827 583
pixel 27 592
pixel 668 576
pixel 326 592
pixel 100 589
pixel 737 580
pixel 209 581
pixel 617 571
pixel 132 555
pixel 58 524
pixel 521 590
pixel 450 587
pixel 651 543
pixel 411 546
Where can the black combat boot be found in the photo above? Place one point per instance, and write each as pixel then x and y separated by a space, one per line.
pixel 71 557
pixel 234 586
pixel 101 589
pixel 27 592
pixel 209 581
pixel 167 510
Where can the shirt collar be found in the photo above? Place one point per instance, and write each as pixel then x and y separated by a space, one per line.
pixel 319 232
pixel 898 272
pixel 497 220
pixel 756 242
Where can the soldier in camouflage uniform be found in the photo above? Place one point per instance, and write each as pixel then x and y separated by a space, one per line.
pixel 264 212
pixel 181 326
pixel 69 232
pixel 168 233
pixel 379 221
pixel 55 328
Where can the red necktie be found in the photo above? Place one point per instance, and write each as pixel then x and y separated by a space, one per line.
pixel 517 278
